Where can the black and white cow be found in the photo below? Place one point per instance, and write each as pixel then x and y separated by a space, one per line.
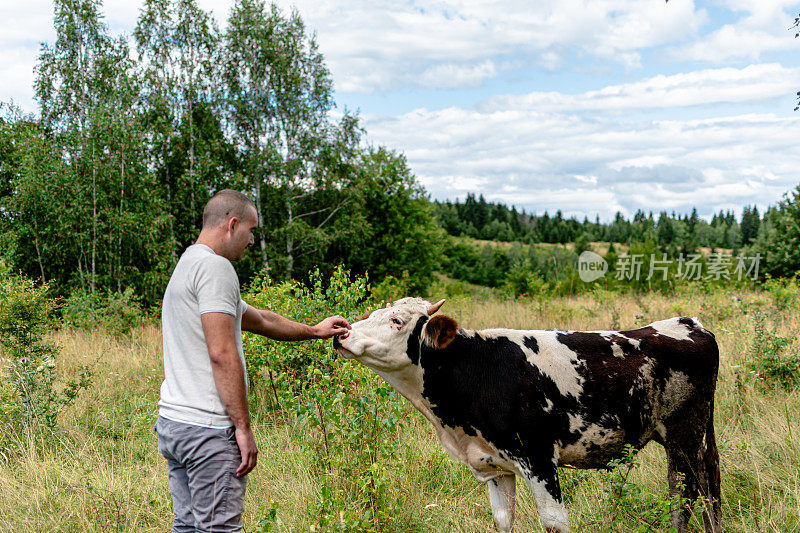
pixel 520 403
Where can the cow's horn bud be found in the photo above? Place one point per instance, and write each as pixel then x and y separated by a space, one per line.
pixel 435 307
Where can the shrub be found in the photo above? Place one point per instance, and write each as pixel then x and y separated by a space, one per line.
pixel 768 357
pixel 284 363
pixel 785 293
pixel 349 418
pixel 644 511
pixel 522 280
pixel 31 396
pixel 392 288
pixel 118 312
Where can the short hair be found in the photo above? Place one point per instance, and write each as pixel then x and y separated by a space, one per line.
pixel 224 205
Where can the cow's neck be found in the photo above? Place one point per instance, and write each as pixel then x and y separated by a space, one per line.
pixel 408 382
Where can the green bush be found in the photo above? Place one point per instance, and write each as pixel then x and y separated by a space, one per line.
pixel 348 417
pixel 768 357
pixel 785 293
pixel 30 396
pixel 115 311
pixel 522 280
pixel 642 510
pixel 392 288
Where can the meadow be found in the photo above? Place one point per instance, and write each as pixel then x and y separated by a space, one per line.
pixel 99 469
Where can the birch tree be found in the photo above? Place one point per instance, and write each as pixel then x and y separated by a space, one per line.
pixel 177 44
pixel 280 93
pixel 69 86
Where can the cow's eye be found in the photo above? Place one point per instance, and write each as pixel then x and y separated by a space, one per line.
pixel 397 321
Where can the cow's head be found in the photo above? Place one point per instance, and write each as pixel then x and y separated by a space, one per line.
pixel 389 339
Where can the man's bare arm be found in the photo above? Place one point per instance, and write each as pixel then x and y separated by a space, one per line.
pixel 280 328
pixel 219 330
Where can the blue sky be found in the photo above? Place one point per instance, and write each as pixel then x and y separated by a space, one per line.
pixel 585 106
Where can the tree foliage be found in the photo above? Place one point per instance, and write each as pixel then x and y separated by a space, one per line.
pixel 104 189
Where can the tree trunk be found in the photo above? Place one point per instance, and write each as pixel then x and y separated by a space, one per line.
pixel 121 223
pixel 289 241
pixel 172 243
pixel 261 238
pixel 191 158
pixel 94 218
pixel 36 244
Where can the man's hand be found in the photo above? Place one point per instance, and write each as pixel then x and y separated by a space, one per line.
pixel 248 449
pixel 333 325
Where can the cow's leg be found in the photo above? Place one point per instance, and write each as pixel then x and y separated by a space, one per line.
pixel 713 517
pixel 678 465
pixel 692 454
pixel 501 495
pixel 543 482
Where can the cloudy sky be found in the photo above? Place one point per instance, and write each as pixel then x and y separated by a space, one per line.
pixel 590 107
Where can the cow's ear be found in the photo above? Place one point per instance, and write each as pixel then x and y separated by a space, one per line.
pixel 440 331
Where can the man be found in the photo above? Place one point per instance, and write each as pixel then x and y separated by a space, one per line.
pixel 204 423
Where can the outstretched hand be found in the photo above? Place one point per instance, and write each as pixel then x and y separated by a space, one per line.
pixel 333 325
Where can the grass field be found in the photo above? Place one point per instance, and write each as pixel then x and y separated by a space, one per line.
pixel 101 471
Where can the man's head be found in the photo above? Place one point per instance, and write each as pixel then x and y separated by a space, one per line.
pixel 229 219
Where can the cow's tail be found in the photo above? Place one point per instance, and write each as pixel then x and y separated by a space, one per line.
pixel 711 464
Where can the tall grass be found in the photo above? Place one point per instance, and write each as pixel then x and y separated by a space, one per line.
pixel 101 470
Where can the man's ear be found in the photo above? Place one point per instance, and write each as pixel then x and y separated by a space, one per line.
pixel 440 331
pixel 231 225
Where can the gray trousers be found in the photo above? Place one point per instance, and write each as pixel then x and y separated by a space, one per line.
pixel 206 494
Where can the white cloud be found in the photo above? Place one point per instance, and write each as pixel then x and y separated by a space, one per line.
pixel 702 87
pixel 761 30
pixel 553 159
pixel 394 41
pixel 452 75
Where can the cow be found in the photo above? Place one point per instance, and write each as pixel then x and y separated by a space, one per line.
pixel 523 402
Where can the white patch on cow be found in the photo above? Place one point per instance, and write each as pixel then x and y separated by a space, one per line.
pixel 553 513
pixel 575 422
pixel 615 336
pixel 616 350
pixel 672 328
pixel 555 361
pixel 548 405
pixel 594 436
pixel 482 458
pixel 677 392
pixel 645 378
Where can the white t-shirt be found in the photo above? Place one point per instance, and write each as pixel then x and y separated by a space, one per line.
pixel 202 282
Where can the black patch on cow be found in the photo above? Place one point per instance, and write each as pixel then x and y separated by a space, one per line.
pixel 414 340
pixel 488 385
pixel 531 343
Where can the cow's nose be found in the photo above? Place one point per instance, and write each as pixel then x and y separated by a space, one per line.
pixel 338 338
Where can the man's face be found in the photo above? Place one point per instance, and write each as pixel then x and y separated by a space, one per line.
pixel 243 234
